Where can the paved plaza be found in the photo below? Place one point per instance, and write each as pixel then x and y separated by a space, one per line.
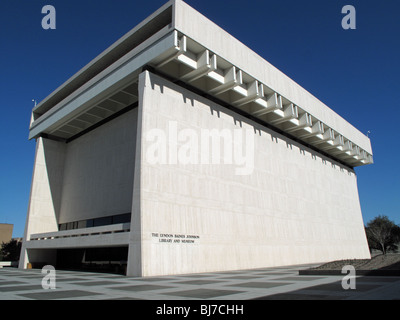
pixel 283 283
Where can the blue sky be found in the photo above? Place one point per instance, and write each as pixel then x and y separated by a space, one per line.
pixel 355 72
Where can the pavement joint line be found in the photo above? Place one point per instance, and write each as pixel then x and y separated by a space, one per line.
pixel 94 286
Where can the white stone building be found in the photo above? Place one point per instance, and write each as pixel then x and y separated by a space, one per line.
pixel 180 150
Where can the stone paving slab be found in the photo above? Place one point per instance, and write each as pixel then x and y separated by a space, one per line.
pixel 203 293
pixel 260 285
pixel 140 287
pixel 54 294
pixel 283 283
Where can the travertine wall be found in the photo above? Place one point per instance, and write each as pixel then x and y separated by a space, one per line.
pixel 45 195
pixel 98 171
pixel 294 206
pixel 89 177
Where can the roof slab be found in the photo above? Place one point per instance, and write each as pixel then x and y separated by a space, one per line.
pixel 180 43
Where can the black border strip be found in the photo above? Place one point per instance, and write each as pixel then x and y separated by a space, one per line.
pixel 241 112
pixel 51 137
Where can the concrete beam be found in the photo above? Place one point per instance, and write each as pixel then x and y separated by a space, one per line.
pixel 328 135
pixel 316 129
pixel 232 78
pixel 255 91
pixel 180 48
pixel 289 112
pixel 205 63
pixel 272 103
pixel 303 122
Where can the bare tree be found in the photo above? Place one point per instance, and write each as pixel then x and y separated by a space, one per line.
pixel 382 234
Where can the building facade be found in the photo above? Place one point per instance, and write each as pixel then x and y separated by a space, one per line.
pixel 180 150
pixel 6 231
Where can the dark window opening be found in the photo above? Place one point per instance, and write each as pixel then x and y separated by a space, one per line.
pixel 97 222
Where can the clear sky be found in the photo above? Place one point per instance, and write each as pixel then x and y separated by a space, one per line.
pixel 355 72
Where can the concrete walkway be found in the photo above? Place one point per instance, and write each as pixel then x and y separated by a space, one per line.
pixel 281 283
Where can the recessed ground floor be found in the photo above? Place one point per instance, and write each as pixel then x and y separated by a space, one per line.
pixel 93 259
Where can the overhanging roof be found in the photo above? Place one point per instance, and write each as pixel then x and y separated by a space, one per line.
pixel 178 41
